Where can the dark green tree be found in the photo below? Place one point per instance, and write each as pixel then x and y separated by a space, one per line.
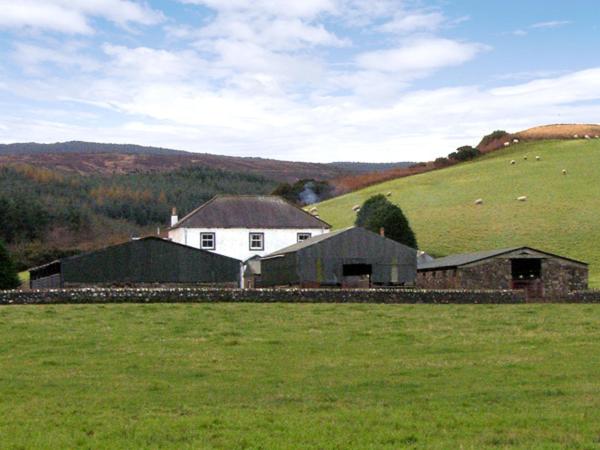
pixel 9 278
pixel 378 212
pixel 368 208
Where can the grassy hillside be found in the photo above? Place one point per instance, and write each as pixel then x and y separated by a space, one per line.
pixel 562 213
pixel 232 376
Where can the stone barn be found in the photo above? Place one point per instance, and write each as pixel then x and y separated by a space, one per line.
pixel 149 260
pixel 353 257
pixel 540 274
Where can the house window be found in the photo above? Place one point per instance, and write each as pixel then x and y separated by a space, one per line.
pixel 257 241
pixel 304 236
pixel 207 241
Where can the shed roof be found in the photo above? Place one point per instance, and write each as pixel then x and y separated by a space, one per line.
pixel 468 258
pixel 249 211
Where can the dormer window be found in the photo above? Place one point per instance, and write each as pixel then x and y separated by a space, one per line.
pixel 257 241
pixel 207 241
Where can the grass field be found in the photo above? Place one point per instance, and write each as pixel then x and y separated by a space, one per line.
pixel 562 213
pixel 300 376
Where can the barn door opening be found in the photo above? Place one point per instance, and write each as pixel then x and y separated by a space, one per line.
pixel 527 275
pixel 357 275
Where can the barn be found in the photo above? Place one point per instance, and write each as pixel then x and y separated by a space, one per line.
pixel 352 257
pixel 539 273
pixel 149 260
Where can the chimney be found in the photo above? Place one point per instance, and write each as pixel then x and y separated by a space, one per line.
pixel 382 231
pixel 174 218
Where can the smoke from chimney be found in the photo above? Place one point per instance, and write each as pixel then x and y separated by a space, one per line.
pixel 308 196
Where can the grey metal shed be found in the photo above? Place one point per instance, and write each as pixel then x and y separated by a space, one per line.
pixel 150 260
pixel 352 257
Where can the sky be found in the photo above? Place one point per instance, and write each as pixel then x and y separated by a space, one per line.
pixel 308 80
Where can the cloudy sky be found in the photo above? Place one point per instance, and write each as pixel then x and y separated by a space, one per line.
pixel 313 80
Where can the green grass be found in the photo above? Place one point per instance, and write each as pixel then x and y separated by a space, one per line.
pixel 300 376
pixel 562 213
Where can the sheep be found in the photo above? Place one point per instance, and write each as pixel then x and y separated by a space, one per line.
pixel 479 201
pixel 523 198
pixel 515 141
pixel 506 144
pixel 388 194
pixel 313 209
pixel 525 157
pixel 356 208
pixel 513 162
pixel 564 171
pixel 538 158
pixel 587 136
pixel 596 137
pixel 575 136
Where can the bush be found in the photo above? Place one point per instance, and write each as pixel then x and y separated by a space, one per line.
pixel 492 137
pixel 9 279
pixel 464 153
pixel 377 212
pixel 441 162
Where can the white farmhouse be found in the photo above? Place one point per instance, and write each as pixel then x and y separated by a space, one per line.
pixel 244 226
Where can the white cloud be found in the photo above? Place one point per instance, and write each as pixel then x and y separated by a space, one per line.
pixel 34 58
pixel 72 16
pixel 551 24
pixel 421 55
pixel 409 23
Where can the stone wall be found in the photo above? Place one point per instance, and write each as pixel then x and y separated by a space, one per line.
pixel 561 277
pixel 208 295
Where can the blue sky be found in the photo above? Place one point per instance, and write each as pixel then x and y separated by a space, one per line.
pixel 313 80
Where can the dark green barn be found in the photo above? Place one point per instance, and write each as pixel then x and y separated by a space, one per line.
pixel 149 260
pixel 353 257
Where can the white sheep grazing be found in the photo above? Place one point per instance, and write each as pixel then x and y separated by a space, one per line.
pixel 513 162
pixel 515 141
pixel 538 158
pixel 596 137
pixel 525 157
pixel 479 201
pixel 523 198
pixel 564 171
pixel 313 209
pixel 506 144
pixel 389 194
pixel 356 208
pixel 575 136
pixel 587 136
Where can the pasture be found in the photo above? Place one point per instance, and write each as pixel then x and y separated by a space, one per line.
pixel 299 376
pixel 561 214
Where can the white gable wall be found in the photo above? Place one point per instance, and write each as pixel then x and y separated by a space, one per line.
pixel 235 242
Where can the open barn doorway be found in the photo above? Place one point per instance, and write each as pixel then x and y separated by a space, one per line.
pixel 357 275
pixel 527 275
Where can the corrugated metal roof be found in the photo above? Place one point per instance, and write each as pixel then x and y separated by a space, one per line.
pixel 249 211
pixel 468 258
pixel 308 242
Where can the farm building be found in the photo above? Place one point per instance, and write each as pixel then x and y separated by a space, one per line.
pixel 540 273
pixel 245 226
pixel 353 257
pixel 143 261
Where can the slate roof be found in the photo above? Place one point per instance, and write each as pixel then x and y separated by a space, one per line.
pixel 249 211
pixel 468 258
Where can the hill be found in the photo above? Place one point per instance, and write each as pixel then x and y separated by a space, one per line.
pixel 86 158
pixel 560 215
pixel 45 213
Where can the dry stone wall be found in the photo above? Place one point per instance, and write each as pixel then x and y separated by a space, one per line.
pixel 208 295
